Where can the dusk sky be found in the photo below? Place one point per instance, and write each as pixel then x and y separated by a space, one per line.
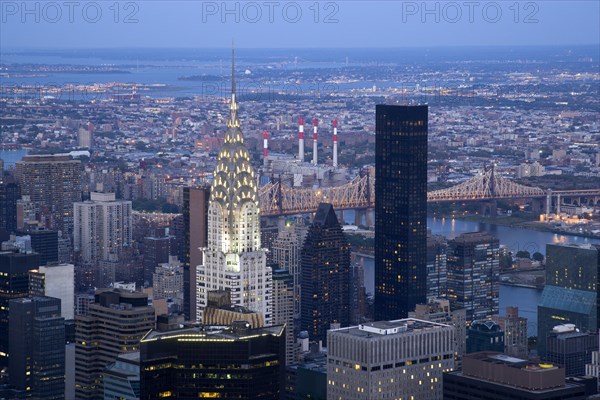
pixel 282 24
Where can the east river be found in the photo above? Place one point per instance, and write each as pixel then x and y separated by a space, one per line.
pixel 514 238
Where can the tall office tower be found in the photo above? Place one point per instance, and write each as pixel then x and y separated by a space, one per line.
pixel 14 284
pixel 235 362
pixel 115 323
pixel 9 194
pixel 37 347
pixel 570 348
pixel 400 210
pixel 55 280
pixel 269 230
pixel 168 281
pixel 286 254
pixel 515 332
pixel 437 273
pixel 325 275
pixel 283 310
pixel 389 360
pixel 571 292
pixel 234 258
pixel 45 243
pixel 474 274
pixel 53 182
pixel 195 230
pixel 122 378
pixel 439 311
pixel 102 228
pixel 495 376
pixel 485 335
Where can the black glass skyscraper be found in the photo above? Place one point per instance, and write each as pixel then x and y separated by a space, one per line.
pixel 325 275
pixel 400 210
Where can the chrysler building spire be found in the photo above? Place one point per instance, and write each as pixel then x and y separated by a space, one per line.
pixel 234 258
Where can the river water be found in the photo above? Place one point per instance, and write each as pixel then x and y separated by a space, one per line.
pixel 514 238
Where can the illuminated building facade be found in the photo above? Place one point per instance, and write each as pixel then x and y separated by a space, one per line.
pixel 234 258
pixel 227 363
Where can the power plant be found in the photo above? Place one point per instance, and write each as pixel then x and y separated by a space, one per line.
pixel 295 171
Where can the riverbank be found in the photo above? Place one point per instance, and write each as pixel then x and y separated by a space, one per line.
pixel 524 223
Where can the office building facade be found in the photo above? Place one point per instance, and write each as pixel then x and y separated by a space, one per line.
pixel 14 281
pixel 325 275
pixel 474 274
pixel 114 324
pixel 389 360
pixel 37 347
pixel 400 210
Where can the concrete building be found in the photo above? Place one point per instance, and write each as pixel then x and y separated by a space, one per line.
pixel 55 280
pixel 474 274
pixel 286 254
pixel 283 310
pixel 53 183
pixel 115 323
pixel 534 169
pixel 168 281
pixel 102 228
pixel 515 332
pixel 439 311
pixel 496 376
pixel 389 360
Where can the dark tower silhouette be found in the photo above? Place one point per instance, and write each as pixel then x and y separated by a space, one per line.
pixel 400 210
pixel 325 275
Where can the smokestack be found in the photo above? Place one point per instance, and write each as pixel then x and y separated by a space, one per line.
pixel 315 141
pixel 301 140
pixel 265 147
pixel 335 144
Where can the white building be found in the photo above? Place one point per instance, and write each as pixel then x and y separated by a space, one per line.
pixel 55 280
pixel 534 169
pixel 234 258
pixel 402 359
pixel 102 227
pixel 168 281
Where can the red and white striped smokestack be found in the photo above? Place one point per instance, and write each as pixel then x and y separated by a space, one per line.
pixel 301 140
pixel 265 146
pixel 335 144
pixel 315 141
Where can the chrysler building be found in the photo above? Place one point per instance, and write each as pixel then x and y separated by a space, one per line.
pixel 234 259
